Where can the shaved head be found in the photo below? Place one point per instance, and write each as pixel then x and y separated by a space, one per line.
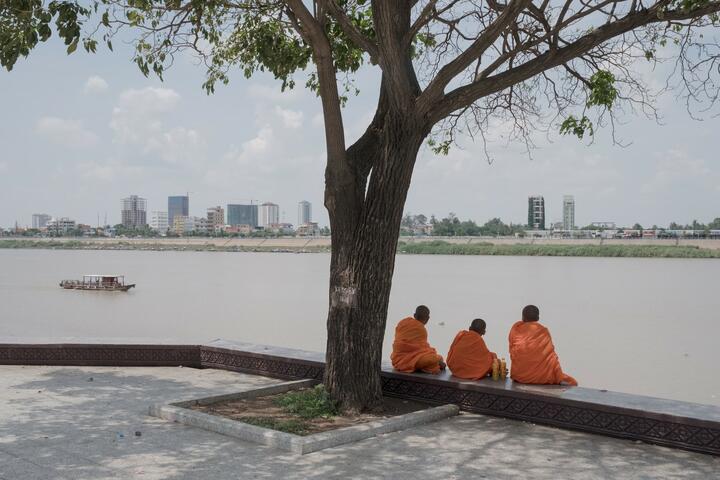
pixel 422 313
pixel 478 326
pixel 530 313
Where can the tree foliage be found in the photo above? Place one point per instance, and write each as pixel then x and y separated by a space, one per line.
pixel 451 226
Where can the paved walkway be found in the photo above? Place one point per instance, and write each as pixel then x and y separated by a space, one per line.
pixel 57 423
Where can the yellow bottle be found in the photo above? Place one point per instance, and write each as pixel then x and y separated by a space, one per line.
pixel 495 369
pixel 503 369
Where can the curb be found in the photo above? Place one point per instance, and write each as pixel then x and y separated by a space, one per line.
pixel 179 412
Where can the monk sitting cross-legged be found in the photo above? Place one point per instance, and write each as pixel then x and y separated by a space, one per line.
pixel 532 352
pixel 469 357
pixel 411 350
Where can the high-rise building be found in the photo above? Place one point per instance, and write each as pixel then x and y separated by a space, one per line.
pixel 242 215
pixel 304 212
pixel 269 214
pixel 216 217
pixel 536 212
pixel 568 212
pixel 178 205
pixel 159 221
pixel 40 220
pixel 133 212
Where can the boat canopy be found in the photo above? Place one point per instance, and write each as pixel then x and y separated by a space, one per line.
pixel 104 279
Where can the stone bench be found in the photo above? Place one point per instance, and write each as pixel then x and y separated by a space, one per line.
pixel 671 423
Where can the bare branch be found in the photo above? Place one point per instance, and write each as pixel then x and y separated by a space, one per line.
pixel 467 94
pixel 467 57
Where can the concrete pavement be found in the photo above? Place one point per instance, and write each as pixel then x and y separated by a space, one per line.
pixel 57 423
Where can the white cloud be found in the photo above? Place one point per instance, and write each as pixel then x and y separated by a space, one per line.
pixel 95 84
pixel 258 144
pixel 176 145
pixel 253 152
pixel 273 93
pixel 290 118
pixel 263 162
pixel 107 171
pixel 676 166
pixel 245 165
pixel 66 132
pixel 3 166
pixel 134 117
pixel 318 120
pixel 138 121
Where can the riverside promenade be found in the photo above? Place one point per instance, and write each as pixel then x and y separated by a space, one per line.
pixel 70 422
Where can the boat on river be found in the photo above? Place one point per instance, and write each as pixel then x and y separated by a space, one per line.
pixel 102 283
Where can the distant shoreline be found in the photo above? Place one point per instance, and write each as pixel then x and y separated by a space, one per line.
pixel 413 247
pixel 545 250
pixel 155 246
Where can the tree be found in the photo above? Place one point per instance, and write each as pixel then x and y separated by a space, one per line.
pixel 496 227
pixel 446 66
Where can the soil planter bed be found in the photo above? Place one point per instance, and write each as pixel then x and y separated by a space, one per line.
pixel 229 414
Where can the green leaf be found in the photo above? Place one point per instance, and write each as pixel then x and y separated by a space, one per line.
pixel 439 148
pixel 72 47
pixel 573 126
pixel 602 89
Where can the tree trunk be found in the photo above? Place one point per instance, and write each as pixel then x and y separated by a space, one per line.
pixel 365 227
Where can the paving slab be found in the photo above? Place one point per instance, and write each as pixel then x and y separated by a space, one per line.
pixel 55 423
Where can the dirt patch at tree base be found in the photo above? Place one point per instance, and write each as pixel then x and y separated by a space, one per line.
pixel 265 412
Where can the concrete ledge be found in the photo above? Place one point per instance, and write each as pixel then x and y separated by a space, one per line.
pixel 670 423
pixel 99 354
pixel 179 412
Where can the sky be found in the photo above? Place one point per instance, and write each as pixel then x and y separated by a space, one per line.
pixel 78 133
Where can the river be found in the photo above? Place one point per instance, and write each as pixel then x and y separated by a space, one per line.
pixel 647 326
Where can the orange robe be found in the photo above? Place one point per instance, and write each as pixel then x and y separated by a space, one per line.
pixel 533 356
pixel 469 357
pixel 411 350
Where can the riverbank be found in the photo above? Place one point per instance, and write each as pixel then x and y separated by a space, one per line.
pixel 564 248
pixel 532 250
pixel 159 246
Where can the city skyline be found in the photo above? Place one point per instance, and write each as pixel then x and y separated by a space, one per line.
pixel 268 213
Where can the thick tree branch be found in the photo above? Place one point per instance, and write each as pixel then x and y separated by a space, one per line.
pixel 392 22
pixel 360 153
pixel 312 31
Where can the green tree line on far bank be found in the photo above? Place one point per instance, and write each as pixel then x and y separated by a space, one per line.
pixel 452 226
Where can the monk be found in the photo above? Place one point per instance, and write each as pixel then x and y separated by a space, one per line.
pixel 469 357
pixel 411 351
pixel 532 352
